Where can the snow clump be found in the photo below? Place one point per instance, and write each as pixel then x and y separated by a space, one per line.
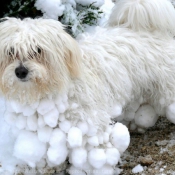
pixel 49 137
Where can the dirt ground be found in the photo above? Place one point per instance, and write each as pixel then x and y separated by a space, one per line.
pixel 154 150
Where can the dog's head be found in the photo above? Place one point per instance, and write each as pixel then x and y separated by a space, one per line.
pixel 37 58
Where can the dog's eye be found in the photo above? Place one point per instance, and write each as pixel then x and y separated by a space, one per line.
pixel 11 52
pixel 34 53
pixel 39 50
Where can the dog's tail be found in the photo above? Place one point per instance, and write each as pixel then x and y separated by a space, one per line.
pixel 147 15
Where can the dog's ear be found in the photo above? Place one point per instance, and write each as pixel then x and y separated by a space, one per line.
pixel 72 55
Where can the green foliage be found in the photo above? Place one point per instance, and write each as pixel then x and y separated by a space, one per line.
pixel 21 8
pixel 77 19
pixel 89 14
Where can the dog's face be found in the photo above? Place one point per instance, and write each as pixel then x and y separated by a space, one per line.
pixel 37 58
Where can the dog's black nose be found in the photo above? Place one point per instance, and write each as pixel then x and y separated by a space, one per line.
pixel 21 72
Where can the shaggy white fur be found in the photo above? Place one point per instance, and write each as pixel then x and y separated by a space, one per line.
pixel 147 15
pixel 148 59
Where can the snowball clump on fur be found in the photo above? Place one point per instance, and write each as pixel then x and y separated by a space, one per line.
pixel 28 148
pixel 85 145
pixel 138 116
pixel 145 117
pixel 120 137
pixel 170 112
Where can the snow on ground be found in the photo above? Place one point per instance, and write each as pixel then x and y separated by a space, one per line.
pixel 137 169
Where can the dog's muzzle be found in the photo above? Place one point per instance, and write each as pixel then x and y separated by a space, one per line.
pixel 21 72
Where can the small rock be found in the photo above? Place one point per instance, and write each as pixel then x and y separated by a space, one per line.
pixel 128 158
pixel 162 143
pixel 146 161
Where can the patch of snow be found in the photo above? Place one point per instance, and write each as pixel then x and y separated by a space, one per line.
pixel 137 169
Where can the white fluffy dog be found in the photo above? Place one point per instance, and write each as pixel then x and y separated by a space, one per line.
pixel 115 65
pixel 100 74
pixel 62 93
